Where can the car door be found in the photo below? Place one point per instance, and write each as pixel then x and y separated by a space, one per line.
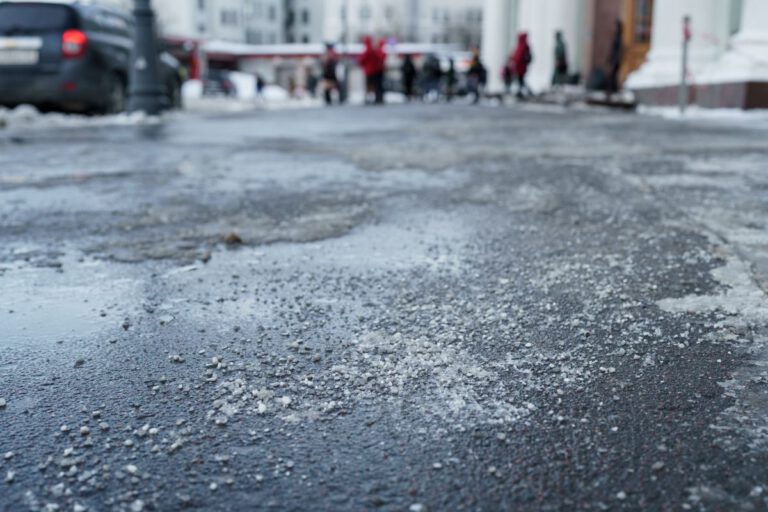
pixel 110 35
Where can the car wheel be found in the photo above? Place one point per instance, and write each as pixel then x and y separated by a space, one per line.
pixel 117 95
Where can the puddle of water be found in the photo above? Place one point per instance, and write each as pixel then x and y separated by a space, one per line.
pixel 42 306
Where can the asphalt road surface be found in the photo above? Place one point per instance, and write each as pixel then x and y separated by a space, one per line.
pixel 422 308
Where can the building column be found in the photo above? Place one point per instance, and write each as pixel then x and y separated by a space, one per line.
pixel 495 41
pixel 541 19
pixel 747 59
pixel 663 65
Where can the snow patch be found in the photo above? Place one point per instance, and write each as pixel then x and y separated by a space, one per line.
pixel 743 299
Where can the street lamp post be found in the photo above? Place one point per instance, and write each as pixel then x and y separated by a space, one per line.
pixel 146 91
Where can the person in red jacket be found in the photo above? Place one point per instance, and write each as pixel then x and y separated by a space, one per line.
pixel 369 62
pixel 519 62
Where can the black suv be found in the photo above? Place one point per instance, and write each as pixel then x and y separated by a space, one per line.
pixel 73 57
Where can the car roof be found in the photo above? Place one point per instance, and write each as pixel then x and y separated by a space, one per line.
pixel 85 4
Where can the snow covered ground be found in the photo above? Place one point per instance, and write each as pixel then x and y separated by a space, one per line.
pixel 729 116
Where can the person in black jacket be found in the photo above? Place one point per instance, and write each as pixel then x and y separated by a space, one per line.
pixel 476 76
pixel 614 61
pixel 330 79
pixel 408 71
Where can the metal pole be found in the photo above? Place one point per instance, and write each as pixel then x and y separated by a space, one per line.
pixel 146 91
pixel 344 89
pixel 683 93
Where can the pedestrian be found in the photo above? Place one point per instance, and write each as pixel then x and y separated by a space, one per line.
pixel 433 74
pixel 260 84
pixel 380 73
pixel 476 76
pixel 560 76
pixel 507 76
pixel 369 62
pixel 614 61
pixel 408 71
pixel 450 80
pixel 520 60
pixel 330 78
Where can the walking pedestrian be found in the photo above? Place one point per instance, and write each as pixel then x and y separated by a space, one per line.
pixel 369 62
pixel 614 61
pixel 476 76
pixel 408 71
pixel 507 76
pixel 433 74
pixel 560 76
pixel 521 59
pixel 380 73
pixel 330 79
pixel 450 80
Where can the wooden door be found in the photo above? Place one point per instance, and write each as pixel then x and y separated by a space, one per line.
pixel 638 21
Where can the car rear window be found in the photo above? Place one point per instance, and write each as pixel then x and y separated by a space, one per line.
pixel 19 19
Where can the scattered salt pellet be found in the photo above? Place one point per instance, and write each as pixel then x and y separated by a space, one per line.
pixel 3 403
pixel 84 431
pixel 130 468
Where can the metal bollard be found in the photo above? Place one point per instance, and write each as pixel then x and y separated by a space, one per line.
pixel 146 91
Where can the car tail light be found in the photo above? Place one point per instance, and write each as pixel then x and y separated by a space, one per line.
pixel 73 44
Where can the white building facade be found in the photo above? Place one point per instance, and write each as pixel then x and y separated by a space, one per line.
pixel 456 22
pixel 241 21
pixel 728 51
pixel 728 54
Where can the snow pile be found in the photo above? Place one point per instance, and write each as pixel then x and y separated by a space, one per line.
pixel 27 116
pixel 720 115
pixel 192 90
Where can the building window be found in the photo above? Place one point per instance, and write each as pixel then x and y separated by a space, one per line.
pixel 272 13
pixel 305 16
pixel 228 17
pixel 365 12
pixel 305 38
pixel 200 5
pixel 389 12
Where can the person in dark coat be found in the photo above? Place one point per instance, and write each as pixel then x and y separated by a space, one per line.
pixel 614 60
pixel 380 71
pixel 477 76
pixel 433 74
pixel 560 76
pixel 520 60
pixel 450 81
pixel 330 79
pixel 408 71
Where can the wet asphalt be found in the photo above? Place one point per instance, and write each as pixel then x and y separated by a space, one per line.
pixel 421 308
